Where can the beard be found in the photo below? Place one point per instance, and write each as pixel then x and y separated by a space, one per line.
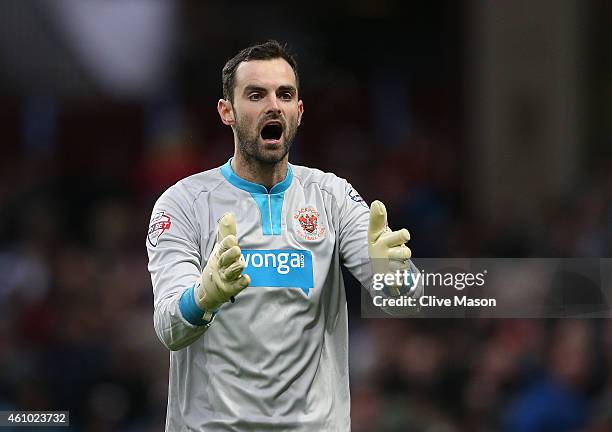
pixel 252 149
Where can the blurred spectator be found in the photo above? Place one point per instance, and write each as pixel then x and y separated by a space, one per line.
pixel 106 104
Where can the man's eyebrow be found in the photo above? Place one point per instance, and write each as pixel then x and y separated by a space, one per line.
pixel 287 88
pixel 251 88
pixel 284 88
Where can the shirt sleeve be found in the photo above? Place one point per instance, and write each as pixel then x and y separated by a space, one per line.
pixel 173 246
pixel 353 223
pixel 354 218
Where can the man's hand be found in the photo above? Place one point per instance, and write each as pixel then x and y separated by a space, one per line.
pixel 222 278
pixel 386 248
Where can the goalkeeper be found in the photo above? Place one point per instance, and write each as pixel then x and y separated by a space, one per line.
pixel 245 261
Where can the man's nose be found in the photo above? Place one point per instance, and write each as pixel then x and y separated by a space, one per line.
pixel 273 105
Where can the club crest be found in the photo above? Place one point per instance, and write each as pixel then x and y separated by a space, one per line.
pixel 160 223
pixel 307 224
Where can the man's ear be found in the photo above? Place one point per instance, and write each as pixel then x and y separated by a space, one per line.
pixel 300 111
pixel 224 107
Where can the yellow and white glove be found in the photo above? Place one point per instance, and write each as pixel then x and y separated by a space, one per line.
pixel 386 248
pixel 222 278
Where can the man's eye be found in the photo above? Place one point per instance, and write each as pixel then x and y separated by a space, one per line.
pixel 286 96
pixel 254 96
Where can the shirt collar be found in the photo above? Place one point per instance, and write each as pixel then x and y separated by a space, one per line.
pixel 251 187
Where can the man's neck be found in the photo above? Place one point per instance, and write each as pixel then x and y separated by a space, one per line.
pixel 254 171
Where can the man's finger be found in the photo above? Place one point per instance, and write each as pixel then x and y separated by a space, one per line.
pixel 378 221
pixel 244 281
pixel 229 256
pixel 234 269
pixel 239 284
pixel 396 238
pixel 400 253
pixel 226 244
pixel 227 226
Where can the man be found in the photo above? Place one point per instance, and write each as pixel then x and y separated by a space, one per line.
pixel 272 356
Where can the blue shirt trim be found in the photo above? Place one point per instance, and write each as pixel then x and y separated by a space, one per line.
pixel 270 202
pixel 251 187
pixel 190 310
pixel 276 208
pixel 264 212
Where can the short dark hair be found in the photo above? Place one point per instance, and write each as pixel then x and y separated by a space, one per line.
pixel 264 51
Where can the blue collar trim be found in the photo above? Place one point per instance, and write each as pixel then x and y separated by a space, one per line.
pixel 256 188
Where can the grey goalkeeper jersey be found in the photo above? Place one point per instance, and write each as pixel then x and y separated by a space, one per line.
pixel 277 358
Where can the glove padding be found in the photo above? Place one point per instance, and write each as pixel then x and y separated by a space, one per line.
pixel 386 248
pixel 222 277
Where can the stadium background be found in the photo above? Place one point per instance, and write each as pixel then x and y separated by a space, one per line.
pixel 484 127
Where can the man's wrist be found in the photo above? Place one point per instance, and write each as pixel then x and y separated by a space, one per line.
pixel 191 310
pixel 404 286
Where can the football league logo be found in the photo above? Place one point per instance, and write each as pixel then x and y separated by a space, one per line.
pixel 307 224
pixel 356 197
pixel 160 223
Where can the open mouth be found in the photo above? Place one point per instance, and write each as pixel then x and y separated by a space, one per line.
pixel 272 131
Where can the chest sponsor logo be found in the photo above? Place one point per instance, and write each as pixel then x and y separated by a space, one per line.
pixel 307 224
pixel 282 268
pixel 160 223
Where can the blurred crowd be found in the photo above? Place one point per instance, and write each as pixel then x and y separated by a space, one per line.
pixel 76 304
pixel 79 176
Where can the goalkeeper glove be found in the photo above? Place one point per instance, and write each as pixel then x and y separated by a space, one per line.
pixel 386 248
pixel 222 277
